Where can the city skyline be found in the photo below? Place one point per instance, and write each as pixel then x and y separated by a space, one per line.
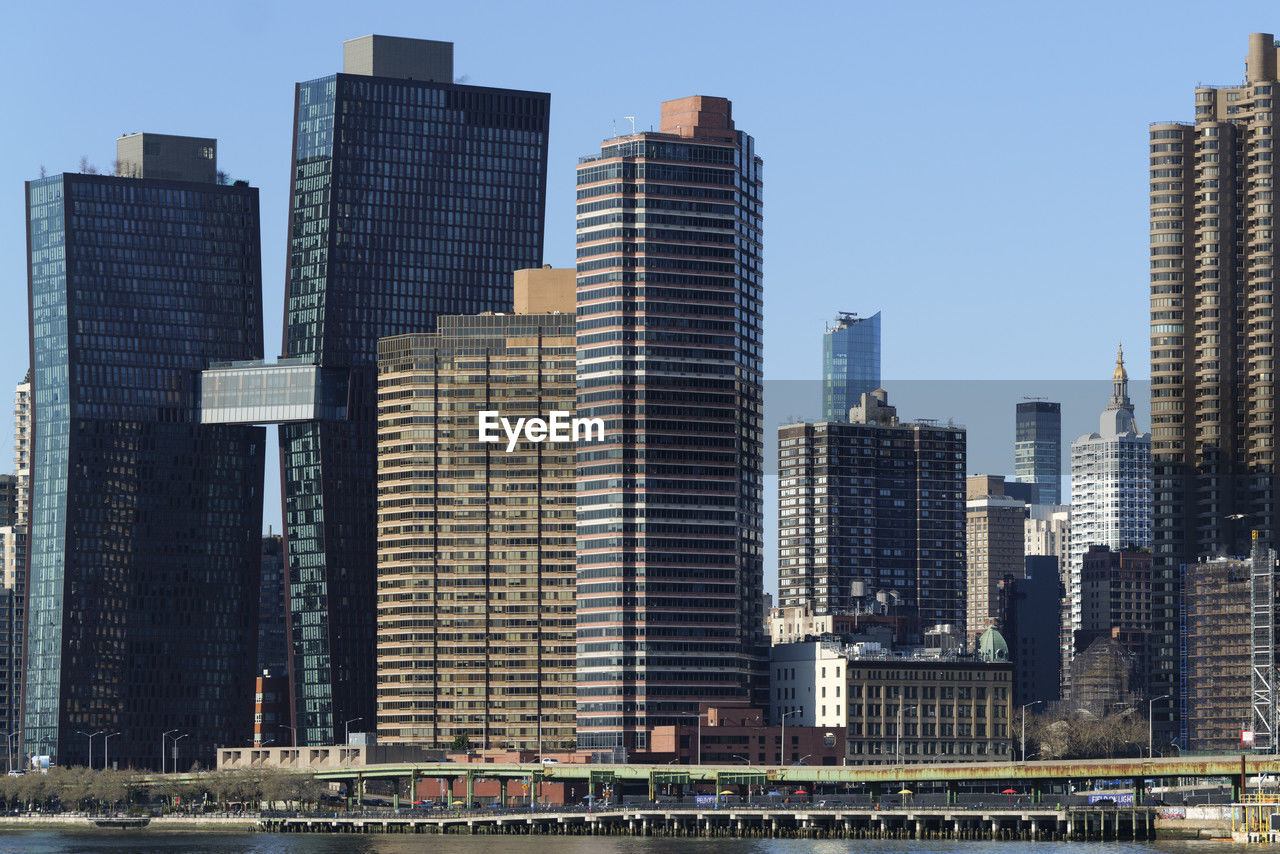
pixel 243 108
pixel 417 195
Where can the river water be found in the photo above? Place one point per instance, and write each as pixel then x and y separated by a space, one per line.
pixel 64 842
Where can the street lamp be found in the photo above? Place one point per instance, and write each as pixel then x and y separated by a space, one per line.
pixel 747 762
pixel 293 733
pixel 164 742
pixel 1024 726
pixel 106 743
pixel 348 728
pixel 89 753
pixel 176 739
pixel 782 752
pixel 1151 726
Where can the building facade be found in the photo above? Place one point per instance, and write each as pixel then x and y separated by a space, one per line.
pixel 1111 495
pixel 868 505
pixel 995 539
pixel 144 523
pixel 13 571
pixel 850 363
pixel 476 569
pixel 897 706
pixel 273 609
pixel 1213 276
pixel 670 524
pixel 1037 448
pixel 1115 597
pixel 1030 616
pixel 412 197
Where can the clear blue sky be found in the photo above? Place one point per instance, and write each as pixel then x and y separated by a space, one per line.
pixel 976 171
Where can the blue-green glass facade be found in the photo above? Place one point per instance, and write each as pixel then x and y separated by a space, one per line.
pixel 410 200
pixel 850 364
pixel 144 523
pixel 1037 448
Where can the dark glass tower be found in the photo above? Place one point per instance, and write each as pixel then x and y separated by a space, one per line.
pixel 850 363
pixel 1037 448
pixel 144 522
pixel 670 570
pixel 412 198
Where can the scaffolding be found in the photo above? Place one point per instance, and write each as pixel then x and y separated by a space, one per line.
pixel 1217 676
pixel 1262 595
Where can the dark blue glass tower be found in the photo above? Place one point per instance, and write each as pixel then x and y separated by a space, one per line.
pixel 850 363
pixel 144 522
pixel 1037 448
pixel 413 197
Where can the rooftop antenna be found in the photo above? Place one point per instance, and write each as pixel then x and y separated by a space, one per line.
pixel 631 119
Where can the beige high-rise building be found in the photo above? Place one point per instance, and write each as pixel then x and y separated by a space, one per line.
pixel 1213 282
pixel 476 557
pixel 994 540
pixel 22 447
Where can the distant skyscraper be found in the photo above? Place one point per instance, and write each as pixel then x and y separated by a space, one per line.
pixel 273 609
pixel 144 522
pixel 13 571
pixel 476 567
pixel 22 447
pixel 670 534
pixel 412 197
pixel 995 541
pixel 850 363
pixel 1213 283
pixel 1110 486
pixel 1037 448
pixel 872 504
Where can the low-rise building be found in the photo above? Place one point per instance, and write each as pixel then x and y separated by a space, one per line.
pixel 908 705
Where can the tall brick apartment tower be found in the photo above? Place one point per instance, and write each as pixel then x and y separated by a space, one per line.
pixel 1213 288
pixel 670 570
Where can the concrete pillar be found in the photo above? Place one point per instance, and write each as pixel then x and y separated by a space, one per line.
pixel 953 793
pixel 360 791
pixel 471 791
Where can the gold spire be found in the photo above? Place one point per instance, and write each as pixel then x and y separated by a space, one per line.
pixel 1120 372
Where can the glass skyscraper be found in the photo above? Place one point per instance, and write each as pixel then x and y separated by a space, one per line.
pixel 670 570
pixel 412 197
pixel 1037 448
pixel 850 363
pixel 145 523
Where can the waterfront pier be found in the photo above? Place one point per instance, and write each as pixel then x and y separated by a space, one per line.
pixel 1029 824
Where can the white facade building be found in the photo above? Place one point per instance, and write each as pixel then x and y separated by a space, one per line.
pixel 807 684
pixel 1111 497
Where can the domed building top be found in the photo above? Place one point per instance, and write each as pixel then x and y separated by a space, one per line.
pixel 992 646
pixel 1120 374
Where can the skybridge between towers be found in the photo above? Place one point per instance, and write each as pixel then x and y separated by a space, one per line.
pixel 279 392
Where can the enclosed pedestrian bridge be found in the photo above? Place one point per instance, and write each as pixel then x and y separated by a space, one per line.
pixel 279 392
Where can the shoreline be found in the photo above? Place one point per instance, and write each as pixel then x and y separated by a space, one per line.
pixel 163 824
